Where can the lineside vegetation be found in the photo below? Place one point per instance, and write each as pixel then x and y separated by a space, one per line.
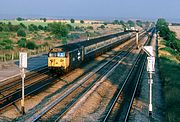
pixel 169 60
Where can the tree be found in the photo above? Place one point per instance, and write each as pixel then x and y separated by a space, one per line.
pixel 122 22
pixel 44 19
pixel 164 31
pixel 90 27
pixel 102 27
pixel 32 27
pixel 31 45
pixel 19 19
pixel 40 27
pixel 22 42
pixel 70 27
pixel 131 23
pixel 6 44
pixel 59 29
pixel 23 25
pixel 72 20
pixel 21 32
pixel 1 28
pixel 139 23
pixel 82 21
pixel 115 22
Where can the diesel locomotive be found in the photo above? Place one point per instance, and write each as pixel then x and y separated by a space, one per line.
pixel 67 57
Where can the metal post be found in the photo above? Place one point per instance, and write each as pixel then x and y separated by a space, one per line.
pixel 150 93
pixel 22 101
pixel 137 43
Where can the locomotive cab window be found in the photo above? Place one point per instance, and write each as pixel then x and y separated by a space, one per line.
pixel 61 54
pixel 52 54
pixel 57 54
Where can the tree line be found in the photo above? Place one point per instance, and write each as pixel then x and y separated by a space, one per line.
pixel 167 34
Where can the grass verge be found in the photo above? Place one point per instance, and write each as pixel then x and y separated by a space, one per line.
pixel 170 71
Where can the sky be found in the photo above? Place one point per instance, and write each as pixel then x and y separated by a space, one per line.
pixel 92 9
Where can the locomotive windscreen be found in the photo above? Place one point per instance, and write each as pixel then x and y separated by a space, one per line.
pixel 57 54
pixel 61 54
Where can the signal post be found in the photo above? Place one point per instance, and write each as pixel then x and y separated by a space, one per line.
pixel 22 66
pixel 150 70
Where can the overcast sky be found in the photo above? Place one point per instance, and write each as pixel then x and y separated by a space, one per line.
pixel 97 9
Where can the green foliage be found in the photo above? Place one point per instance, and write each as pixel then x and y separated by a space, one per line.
pixel 71 28
pixel 77 28
pixel 44 19
pixel 21 33
pixel 22 42
pixel 58 29
pixel 1 28
pixel 170 73
pixel 45 44
pixel 102 27
pixel 6 44
pixel 74 36
pixel 19 19
pixel 122 22
pixel 90 27
pixel 131 23
pixel 64 40
pixel 23 26
pixel 139 23
pixel 31 45
pixel 82 21
pixel 32 27
pixel 169 36
pixel 72 20
pixel 116 22
pixel 105 23
pixel 47 38
pixel 40 27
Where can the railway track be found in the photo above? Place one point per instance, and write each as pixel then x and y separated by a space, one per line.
pixel 8 98
pixel 11 92
pixel 73 94
pixel 124 96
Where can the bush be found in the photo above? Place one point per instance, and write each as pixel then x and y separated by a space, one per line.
pixel 22 42
pixel 31 45
pixel 32 27
pixel 40 27
pixel 6 44
pixel 81 21
pixel 102 27
pixel 1 28
pixel 72 21
pixel 21 33
pixel 90 27
pixel 58 29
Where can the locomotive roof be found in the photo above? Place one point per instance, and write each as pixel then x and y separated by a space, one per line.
pixel 72 46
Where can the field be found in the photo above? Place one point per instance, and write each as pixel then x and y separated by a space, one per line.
pixel 44 39
pixel 176 29
pixel 15 22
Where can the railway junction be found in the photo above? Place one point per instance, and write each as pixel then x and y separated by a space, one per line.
pixel 112 87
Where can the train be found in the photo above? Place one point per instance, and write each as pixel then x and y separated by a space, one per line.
pixel 67 57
